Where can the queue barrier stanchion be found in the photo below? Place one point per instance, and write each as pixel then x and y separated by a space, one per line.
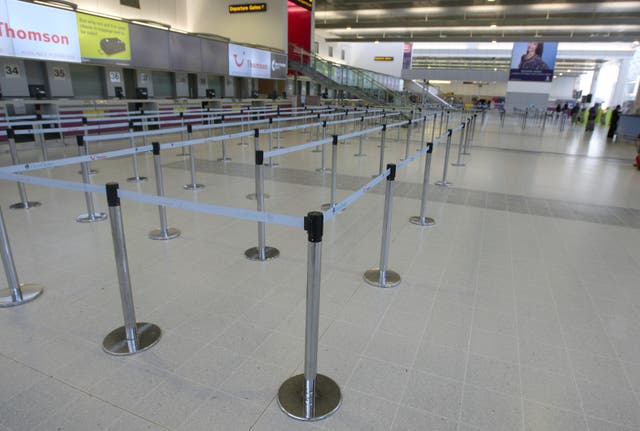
pixel 262 252
pixel 433 127
pixel 467 139
pixel 183 153
pixel 24 203
pixel 271 163
pixel 311 396
pixel 256 145
pixel 444 182
pixel 360 153
pixel 383 134
pixel 406 147
pixel 323 155
pixel 459 162
pixel 422 219
pixel 446 125
pixel 422 132
pixel 134 336
pixel 242 125
pixel 473 128
pixel 441 120
pixel 164 233
pixel 86 145
pixel 317 149
pixel 224 157
pixel 17 293
pixel 145 127
pixel 279 140
pixel 382 276
pixel 334 173
pixel 544 120
pixel 193 185
pixel 136 178
pixel 563 119
pixel 39 137
pixel 91 216
pixel 502 115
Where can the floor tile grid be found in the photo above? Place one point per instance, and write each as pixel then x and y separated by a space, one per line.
pixel 615 348
pixel 468 348
pixel 422 336
pixel 566 347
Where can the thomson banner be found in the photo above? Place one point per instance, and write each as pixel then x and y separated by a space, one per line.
pixel 31 31
pixel 533 61
pixel 256 63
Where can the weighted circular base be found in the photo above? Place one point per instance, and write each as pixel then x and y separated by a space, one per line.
pixel 24 205
pixel 427 221
pixel 29 293
pixel 458 164
pixel 372 277
pixel 170 233
pixel 136 179
pixel 224 159
pixel 359 155
pixel 115 343
pixel 443 184
pixel 269 253
pixel 91 172
pixel 325 170
pixel 91 218
pixel 326 402
pixel 252 196
pixel 194 186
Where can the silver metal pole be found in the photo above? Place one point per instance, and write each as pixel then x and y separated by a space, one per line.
pixel 242 142
pixel 16 293
pixel 145 127
pixel 422 219
pixel 271 163
pixel 383 134
pixel 224 157
pixel 446 125
pixel 317 149
pixel 563 118
pixel 424 127
pixel 544 120
pixel 406 147
pixel 91 216
pixel 444 182
pixel 321 396
pixel 136 178
pixel 39 137
pixel 473 129
pixel 360 153
pixel 133 337
pixel 323 155
pixel 441 119
pixel 24 203
pixel 433 127
pixel 183 153
pixel 193 185
pixel 502 115
pixel 382 276
pixel 85 123
pixel 460 145
pixel 334 174
pixel 261 252
pixel 164 233
pixel 467 138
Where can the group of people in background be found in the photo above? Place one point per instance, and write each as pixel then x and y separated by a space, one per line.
pixel 578 113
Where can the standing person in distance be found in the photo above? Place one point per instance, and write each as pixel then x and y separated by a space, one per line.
pixel 613 122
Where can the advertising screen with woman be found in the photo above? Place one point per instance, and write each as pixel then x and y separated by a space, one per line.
pixel 533 61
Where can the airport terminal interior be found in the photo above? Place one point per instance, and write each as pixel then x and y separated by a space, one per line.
pixel 518 309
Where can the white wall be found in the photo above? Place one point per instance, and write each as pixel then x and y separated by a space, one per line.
pixel 496 89
pixel 362 55
pixel 562 87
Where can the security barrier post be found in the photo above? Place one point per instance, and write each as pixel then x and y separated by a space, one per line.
pixel 406 147
pixel 39 137
pixel 424 127
pixel 311 396
pixel 381 276
pixel 17 293
pixel 433 127
pixel 459 162
pixel 193 185
pixel 360 153
pixel 86 145
pixel 323 155
pixel 24 203
pixel 136 178
pixel 164 233
pixel 334 173
pixel 134 336
pixel 91 216
pixel 383 134
pixel 317 149
pixel 444 182
pixel 422 219
pixel 261 252
pixel 183 153
pixel 271 163
pixel 224 157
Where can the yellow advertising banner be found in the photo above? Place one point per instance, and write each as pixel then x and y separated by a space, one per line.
pixel 103 38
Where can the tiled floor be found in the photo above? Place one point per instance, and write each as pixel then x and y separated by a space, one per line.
pixel 519 310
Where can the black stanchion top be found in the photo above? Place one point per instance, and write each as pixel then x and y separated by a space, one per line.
pixel 409 122
pixel 84 121
pixel 313 224
pixel 189 128
pixel 392 174
pixel 10 133
pixel 429 147
pixel 259 157
pixel 462 124
pixel 156 148
pixel 142 112
pixel 384 127
pixel 324 123
pixel 449 132
pixel 361 118
pixel 335 140
pixel 256 133
pixel 318 116
pixel 80 140
pixel 38 117
pixel 113 200
pixel 181 114
pixel 131 124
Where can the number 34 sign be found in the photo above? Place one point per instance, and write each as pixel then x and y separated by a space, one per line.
pixel 11 70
